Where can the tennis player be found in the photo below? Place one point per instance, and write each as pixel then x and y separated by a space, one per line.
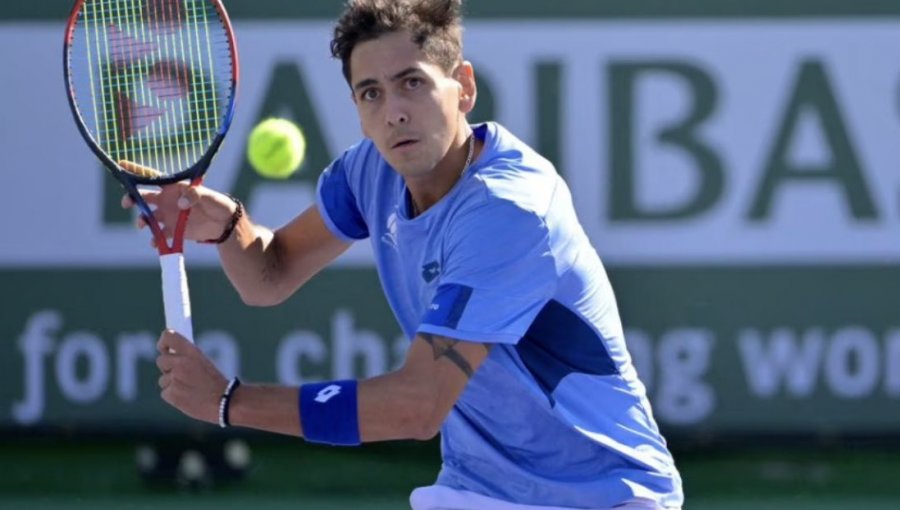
pixel 517 355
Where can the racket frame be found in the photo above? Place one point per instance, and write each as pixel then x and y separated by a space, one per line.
pixel 176 299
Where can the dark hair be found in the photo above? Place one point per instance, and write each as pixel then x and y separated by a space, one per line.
pixel 435 26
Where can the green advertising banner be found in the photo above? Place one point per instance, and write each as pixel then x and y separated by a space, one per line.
pixel 722 351
pixel 81 345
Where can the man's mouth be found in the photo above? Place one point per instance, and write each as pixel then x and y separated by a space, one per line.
pixel 403 143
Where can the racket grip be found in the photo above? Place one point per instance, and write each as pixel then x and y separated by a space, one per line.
pixel 176 300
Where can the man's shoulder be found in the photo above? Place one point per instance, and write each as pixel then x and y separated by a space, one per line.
pixel 489 215
pixel 503 146
pixel 513 184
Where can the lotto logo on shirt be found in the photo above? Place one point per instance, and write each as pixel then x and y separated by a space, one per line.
pixel 430 271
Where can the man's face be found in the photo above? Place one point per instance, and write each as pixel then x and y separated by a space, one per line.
pixel 408 106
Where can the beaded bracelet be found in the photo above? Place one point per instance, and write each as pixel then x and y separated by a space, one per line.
pixel 235 217
pixel 225 401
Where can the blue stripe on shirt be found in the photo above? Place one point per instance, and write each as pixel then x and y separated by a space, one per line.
pixel 559 343
pixel 448 305
pixel 337 200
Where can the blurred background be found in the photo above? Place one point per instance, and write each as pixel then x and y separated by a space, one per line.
pixel 735 164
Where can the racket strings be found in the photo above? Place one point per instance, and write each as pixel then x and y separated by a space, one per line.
pixel 159 79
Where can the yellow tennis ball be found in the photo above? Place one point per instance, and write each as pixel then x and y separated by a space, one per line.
pixel 276 148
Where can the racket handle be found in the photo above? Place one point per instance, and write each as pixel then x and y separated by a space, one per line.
pixel 176 300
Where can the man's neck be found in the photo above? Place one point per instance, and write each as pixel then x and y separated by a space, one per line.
pixel 425 191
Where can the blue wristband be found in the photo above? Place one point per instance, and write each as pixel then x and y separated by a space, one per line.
pixel 328 413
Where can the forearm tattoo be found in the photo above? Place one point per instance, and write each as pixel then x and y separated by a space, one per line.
pixel 446 348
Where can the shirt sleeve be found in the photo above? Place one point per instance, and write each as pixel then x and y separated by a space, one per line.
pixel 338 204
pixel 498 274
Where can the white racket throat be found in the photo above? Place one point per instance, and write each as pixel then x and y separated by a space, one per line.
pixel 176 300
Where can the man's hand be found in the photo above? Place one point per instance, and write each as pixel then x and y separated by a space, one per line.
pixel 189 381
pixel 210 210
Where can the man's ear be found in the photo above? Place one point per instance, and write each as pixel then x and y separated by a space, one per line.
pixel 465 76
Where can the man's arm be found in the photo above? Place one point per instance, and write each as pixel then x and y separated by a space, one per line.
pixel 267 267
pixel 409 403
pixel 412 402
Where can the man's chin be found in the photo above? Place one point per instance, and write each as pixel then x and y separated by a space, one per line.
pixel 410 168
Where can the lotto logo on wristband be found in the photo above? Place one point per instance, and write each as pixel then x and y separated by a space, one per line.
pixel 327 393
pixel 329 412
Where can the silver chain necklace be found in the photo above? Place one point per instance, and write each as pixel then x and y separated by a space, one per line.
pixel 468 162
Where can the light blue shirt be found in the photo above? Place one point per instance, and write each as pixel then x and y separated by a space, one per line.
pixel 556 415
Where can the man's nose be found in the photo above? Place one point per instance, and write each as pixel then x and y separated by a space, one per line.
pixel 396 113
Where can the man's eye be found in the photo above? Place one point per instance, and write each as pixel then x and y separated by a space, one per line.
pixel 370 94
pixel 413 83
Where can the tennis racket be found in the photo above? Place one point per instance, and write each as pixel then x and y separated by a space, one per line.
pixel 152 86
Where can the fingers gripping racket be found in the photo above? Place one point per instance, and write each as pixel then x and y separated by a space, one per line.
pixel 152 86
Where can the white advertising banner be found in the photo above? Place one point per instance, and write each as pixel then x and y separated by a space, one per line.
pixel 725 142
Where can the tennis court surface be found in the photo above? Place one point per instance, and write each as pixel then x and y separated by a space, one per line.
pixel 43 474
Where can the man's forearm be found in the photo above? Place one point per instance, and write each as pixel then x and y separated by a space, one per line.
pixel 265 407
pixel 388 409
pixel 266 267
pixel 250 260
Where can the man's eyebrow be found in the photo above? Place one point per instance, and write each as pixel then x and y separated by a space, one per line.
pixel 372 81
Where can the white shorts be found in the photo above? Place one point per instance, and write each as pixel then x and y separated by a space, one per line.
pixel 438 497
